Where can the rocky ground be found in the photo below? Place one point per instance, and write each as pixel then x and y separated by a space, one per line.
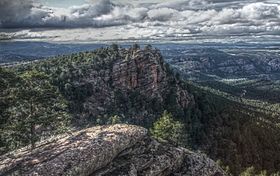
pixel 107 150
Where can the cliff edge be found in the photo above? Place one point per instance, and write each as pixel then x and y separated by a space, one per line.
pixel 107 150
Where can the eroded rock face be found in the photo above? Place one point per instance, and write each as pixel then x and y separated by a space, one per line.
pixel 80 153
pixel 107 150
pixel 133 83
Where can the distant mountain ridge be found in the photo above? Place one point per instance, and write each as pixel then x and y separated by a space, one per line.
pixel 195 60
pixel 232 63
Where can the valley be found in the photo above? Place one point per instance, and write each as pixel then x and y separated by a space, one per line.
pixel 226 98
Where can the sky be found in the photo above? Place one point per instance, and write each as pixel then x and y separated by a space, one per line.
pixel 141 20
pixel 62 3
pixel 69 3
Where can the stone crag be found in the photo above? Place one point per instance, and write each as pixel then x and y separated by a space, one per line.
pixel 130 85
pixel 107 150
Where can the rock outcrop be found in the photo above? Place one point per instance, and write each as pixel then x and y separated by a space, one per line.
pixel 133 82
pixel 107 150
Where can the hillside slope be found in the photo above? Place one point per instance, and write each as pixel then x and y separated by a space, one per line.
pixel 132 83
pixel 135 86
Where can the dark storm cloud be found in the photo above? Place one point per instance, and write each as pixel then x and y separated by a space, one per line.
pixel 13 11
pixel 22 13
pixel 171 18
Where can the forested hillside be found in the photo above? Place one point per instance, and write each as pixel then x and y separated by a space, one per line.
pixel 117 85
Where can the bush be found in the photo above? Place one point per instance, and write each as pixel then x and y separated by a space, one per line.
pixel 166 128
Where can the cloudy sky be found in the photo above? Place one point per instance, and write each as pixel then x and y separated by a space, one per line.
pixel 145 20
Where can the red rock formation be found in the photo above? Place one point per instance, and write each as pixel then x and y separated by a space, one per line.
pixel 142 73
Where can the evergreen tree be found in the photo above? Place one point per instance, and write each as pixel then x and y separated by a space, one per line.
pixel 115 47
pixel 135 47
pixel 166 128
pixel 114 120
pixel 38 110
pixel 8 84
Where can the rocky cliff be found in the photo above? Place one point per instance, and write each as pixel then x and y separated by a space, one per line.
pixel 107 150
pixel 131 83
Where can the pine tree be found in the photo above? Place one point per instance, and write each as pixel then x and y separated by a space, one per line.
pixel 38 110
pixel 166 128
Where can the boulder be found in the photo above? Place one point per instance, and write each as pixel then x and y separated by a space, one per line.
pixel 107 150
